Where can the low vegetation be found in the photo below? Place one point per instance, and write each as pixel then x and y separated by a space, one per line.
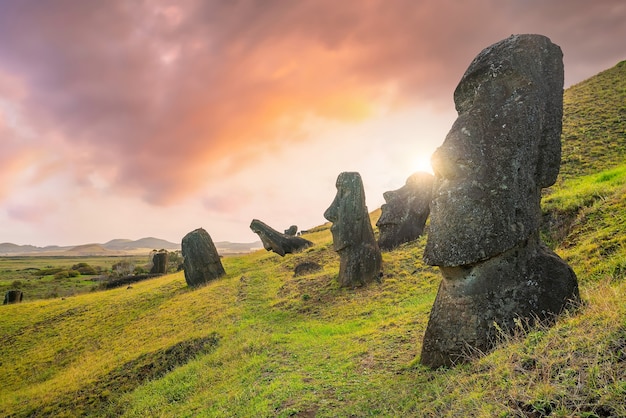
pixel 260 342
pixel 41 277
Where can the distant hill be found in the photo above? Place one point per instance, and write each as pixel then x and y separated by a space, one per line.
pixel 120 247
pixel 8 248
pixel 149 242
pixel 91 249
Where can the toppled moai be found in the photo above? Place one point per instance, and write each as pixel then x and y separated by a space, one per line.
pixel 201 261
pixel 273 240
pixel 353 237
pixel 405 212
pixel 503 148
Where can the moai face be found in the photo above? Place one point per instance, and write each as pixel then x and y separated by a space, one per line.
pixel 353 238
pixel 347 211
pixel 502 149
pixel 405 212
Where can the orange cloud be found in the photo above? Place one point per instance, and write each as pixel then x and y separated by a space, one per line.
pixel 163 98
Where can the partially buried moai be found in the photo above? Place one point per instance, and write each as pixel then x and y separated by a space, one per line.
pixel 201 261
pixel 353 237
pixel 501 151
pixel 404 214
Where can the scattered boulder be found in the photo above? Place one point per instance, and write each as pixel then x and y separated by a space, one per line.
pixel 273 240
pixel 501 151
pixel 306 267
pixel 405 212
pixel 159 262
pixel 353 237
pixel 201 261
pixel 13 296
pixel 292 230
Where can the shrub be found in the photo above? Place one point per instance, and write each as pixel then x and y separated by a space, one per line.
pixel 85 269
pixel 63 274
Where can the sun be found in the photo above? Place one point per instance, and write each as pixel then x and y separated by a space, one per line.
pixel 422 163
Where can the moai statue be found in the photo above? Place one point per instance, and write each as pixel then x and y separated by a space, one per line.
pixel 292 230
pixel 353 237
pixel 501 151
pixel 201 261
pixel 159 262
pixel 273 240
pixel 404 215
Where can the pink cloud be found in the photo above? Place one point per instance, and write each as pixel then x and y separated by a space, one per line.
pixel 30 213
pixel 158 98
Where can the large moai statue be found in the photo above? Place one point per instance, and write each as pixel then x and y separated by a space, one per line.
pixel 201 261
pixel 501 151
pixel 405 212
pixel 353 237
pixel 273 240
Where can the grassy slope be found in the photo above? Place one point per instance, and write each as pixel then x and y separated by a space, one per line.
pixel 278 345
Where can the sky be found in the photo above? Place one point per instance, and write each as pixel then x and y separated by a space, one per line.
pixel 129 119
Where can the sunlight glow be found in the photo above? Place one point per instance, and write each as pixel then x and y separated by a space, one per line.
pixel 422 163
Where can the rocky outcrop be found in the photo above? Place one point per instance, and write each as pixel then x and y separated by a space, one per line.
pixel 201 261
pixel 405 212
pixel 501 151
pixel 273 240
pixel 360 260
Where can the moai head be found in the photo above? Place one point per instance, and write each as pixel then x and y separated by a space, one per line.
pixel 348 212
pixel 502 149
pixel 405 212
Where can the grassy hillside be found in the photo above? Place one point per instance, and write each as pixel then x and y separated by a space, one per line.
pixel 594 123
pixel 263 343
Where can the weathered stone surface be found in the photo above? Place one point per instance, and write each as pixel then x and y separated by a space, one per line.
pixel 353 237
pixel 405 212
pixel 13 296
pixel 502 150
pixel 528 283
pixel 159 262
pixel 306 267
pixel 292 230
pixel 273 240
pixel 201 261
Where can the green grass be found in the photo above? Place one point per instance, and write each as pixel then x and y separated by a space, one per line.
pixel 594 123
pixel 36 276
pixel 260 342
